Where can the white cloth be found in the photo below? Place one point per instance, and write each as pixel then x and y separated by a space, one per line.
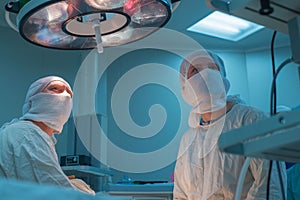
pixel 193 59
pixel 194 118
pixel 51 109
pixel 205 91
pixel 28 154
pixel 203 172
pixel 37 87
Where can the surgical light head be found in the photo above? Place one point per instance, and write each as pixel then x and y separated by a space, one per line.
pixel 78 24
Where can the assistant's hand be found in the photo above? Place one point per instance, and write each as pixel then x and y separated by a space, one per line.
pixel 81 185
pixel 71 177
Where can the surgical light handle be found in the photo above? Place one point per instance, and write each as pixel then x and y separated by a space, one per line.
pixel 96 26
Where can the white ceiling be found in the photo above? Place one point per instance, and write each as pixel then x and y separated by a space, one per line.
pixel 189 12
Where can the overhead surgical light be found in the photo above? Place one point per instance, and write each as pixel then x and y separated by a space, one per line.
pixel 87 24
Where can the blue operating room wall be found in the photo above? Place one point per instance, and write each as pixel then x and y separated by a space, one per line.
pixel 235 65
pixel 139 106
pixel 259 75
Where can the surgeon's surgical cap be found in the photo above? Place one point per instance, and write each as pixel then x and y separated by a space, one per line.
pixel 37 87
pixel 193 58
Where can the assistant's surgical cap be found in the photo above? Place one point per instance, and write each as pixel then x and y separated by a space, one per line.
pixel 193 59
pixel 37 87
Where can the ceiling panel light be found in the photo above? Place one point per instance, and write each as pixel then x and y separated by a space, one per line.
pixel 225 26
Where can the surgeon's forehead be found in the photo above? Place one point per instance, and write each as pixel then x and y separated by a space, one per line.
pixel 57 82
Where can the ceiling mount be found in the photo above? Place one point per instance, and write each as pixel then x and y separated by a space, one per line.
pixel 277 12
pixel 82 24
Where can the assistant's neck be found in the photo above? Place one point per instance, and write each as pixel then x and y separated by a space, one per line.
pixel 207 117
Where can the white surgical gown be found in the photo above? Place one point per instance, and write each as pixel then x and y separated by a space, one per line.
pixel 203 172
pixel 28 154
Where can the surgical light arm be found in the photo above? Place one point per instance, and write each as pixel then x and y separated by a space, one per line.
pixel 294 33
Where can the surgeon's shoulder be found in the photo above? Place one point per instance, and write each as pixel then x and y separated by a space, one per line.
pixel 18 129
pixel 18 125
pixel 249 114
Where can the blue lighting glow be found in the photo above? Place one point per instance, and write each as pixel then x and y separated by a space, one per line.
pixel 225 26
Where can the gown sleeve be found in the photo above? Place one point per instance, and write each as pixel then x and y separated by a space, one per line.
pixel 35 158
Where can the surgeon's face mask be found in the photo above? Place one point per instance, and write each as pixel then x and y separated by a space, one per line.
pixel 205 91
pixel 51 109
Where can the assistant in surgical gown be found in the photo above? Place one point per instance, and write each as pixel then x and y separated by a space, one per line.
pixel 204 172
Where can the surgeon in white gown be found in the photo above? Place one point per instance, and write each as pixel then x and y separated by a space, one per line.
pixel 202 171
pixel 27 144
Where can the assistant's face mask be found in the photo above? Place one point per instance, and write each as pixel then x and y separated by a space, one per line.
pixel 51 109
pixel 205 91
